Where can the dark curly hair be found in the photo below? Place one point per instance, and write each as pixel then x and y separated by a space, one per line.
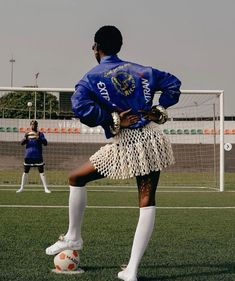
pixel 108 39
pixel 34 122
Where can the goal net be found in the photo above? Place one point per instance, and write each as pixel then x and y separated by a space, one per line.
pixel 195 129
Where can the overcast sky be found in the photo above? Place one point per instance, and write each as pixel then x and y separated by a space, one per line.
pixel 193 39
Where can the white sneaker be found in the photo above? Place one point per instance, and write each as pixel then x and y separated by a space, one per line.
pixel 47 191
pixel 64 244
pixel 126 276
pixel 19 190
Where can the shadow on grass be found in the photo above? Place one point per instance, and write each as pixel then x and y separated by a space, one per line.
pixel 178 272
pixel 192 271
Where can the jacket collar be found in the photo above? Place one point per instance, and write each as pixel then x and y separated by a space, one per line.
pixel 112 58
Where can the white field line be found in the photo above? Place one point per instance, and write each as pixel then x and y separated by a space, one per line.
pixel 119 191
pixel 158 190
pixel 119 186
pixel 119 207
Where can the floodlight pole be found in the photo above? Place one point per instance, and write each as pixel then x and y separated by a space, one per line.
pixel 35 96
pixel 35 105
pixel 12 60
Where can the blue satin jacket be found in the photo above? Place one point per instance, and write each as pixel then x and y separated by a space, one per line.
pixel 34 147
pixel 116 85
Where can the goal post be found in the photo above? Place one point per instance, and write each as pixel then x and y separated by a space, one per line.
pixel 198 118
pixel 220 114
pixel 195 128
pixel 221 97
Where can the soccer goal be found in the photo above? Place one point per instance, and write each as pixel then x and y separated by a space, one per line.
pixel 195 128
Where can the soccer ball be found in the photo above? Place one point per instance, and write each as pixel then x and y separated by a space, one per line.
pixel 67 260
pixel 32 135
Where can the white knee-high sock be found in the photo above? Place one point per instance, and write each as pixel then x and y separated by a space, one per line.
pixel 23 180
pixel 77 205
pixel 142 236
pixel 43 179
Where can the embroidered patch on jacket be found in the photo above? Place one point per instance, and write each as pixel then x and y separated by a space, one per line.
pixel 124 83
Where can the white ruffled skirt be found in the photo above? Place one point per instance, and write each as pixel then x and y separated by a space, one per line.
pixel 134 152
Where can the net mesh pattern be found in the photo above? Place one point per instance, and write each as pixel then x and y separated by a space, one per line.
pixel 134 152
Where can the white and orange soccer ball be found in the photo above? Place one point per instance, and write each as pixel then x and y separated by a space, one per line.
pixel 67 260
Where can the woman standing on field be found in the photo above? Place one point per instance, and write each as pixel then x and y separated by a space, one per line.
pixel 118 96
pixel 33 141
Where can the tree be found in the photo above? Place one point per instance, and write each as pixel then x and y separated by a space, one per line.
pixel 15 105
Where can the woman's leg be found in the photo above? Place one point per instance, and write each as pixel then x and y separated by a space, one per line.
pixel 24 178
pixel 43 178
pixel 77 204
pixel 147 186
pixel 78 198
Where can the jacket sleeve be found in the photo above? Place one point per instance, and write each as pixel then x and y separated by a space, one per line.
pixel 169 85
pixel 88 110
pixel 24 140
pixel 42 139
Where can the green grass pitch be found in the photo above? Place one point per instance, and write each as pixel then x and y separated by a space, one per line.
pixel 193 239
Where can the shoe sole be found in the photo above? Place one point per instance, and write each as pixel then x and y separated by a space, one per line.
pixel 125 278
pixel 62 249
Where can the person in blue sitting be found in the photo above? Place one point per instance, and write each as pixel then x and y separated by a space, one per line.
pixel 118 95
pixel 33 141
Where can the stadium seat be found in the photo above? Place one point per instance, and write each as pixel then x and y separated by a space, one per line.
pixel 70 130
pixel 15 130
pixel 233 131
pixel 186 131
pixel 199 131
pixel 179 131
pixel 23 130
pixel 173 132
pixel 227 131
pixel 56 130
pixel 193 131
pixel 42 130
pixel 9 129
pixel 49 130
pixel 166 131
pixel 2 129
pixel 76 130
pixel 206 131
pixel 63 130
pixel 100 130
pixel 213 131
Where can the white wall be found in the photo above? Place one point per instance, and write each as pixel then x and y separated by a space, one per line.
pixel 96 134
